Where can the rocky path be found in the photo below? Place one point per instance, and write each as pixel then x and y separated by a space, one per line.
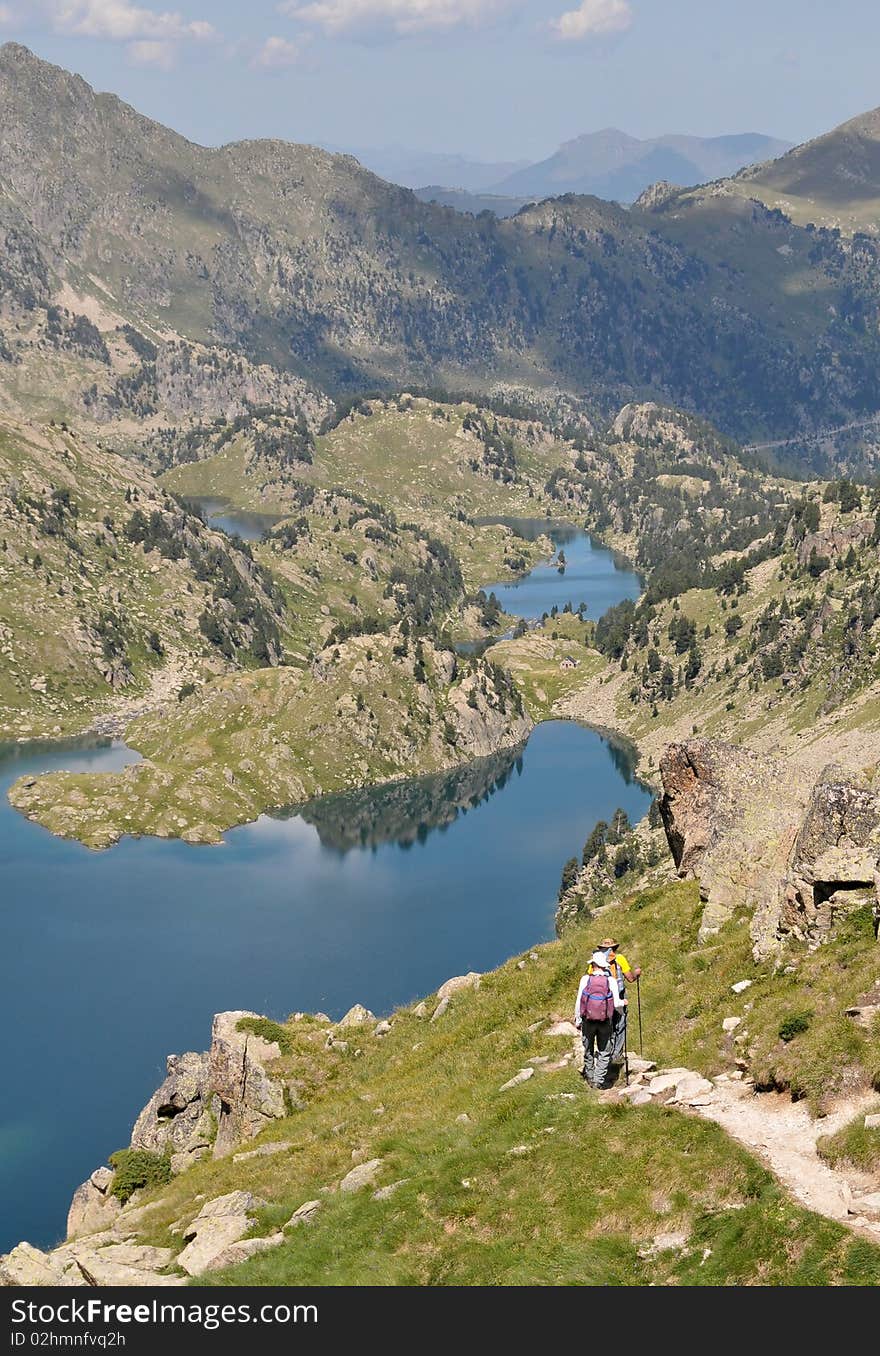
pixel 781 1132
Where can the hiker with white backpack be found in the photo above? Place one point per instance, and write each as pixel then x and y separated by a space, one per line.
pixel 598 998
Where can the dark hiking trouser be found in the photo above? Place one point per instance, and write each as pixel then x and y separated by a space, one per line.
pixel 618 1036
pixel 596 1037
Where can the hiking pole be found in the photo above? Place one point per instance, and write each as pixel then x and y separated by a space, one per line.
pixel 639 997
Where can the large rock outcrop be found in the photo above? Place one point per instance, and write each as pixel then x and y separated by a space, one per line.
pixel 760 838
pixel 249 1097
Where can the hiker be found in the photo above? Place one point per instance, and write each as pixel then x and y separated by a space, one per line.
pixel 625 974
pixel 598 998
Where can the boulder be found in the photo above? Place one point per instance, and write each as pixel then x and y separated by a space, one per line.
pixel 356 1016
pixel 562 1029
pixel 693 1087
pixel 241 1251
pixel 218 1224
pixel 249 1098
pixel 731 1023
pixel 741 986
pixel 363 1175
pixel 304 1214
pixel 458 982
pixel 872 1122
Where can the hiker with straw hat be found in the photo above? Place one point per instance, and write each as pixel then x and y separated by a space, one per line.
pixel 624 974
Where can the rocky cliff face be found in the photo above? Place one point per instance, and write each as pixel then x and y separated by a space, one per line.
pixel 758 839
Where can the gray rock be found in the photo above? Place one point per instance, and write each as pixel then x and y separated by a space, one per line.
pixel 249 1097
pixel 219 1223
pixel 420 1010
pixel 382 1029
pixel 356 1016
pixel 522 1077
pixel 691 1088
pixel 92 1208
pixel 27 1265
pixel 241 1251
pixel 384 1192
pixel 440 1009
pixel 304 1215
pixel 868 1206
pixel 99 1270
pixel 264 1151
pixel 872 1122
pixel 177 1120
pixel 562 1029
pixel 364 1174
pixel 741 986
pixel 458 982
pixel 731 1023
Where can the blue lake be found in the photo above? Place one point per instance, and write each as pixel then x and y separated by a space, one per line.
pixel 113 960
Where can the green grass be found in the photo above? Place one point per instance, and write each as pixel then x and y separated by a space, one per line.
pixel 854 1146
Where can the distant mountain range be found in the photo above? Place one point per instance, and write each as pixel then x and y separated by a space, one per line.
pixel 607 164
pixel 140 271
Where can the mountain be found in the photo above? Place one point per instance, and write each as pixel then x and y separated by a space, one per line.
pixel 411 169
pixel 831 181
pixel 610 164
pixel 142 274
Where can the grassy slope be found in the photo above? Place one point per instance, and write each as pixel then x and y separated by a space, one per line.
pixel 48 613
pixel 543 1184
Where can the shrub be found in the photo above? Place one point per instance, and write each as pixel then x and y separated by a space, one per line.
pixel 795 1024
pixel 134 1168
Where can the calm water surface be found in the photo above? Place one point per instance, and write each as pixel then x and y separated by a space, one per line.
pixel 593 574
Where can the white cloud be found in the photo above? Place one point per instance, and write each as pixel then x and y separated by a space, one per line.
pixel 404 17
pixel 153 52
pixel 276 53
pixel 592 19
pixel 122 21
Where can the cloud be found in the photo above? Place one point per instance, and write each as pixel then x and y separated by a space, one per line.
pixel 7 15
pixel 122 21
pixel 592 19
pixel 153 52
pixel 277 53
pixel 403 17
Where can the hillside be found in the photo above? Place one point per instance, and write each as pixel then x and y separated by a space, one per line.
pixel 112 595
pixel 267 272
pixel 831 181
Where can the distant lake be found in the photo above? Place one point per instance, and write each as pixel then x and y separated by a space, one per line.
pixel 593 574
pixel 234 522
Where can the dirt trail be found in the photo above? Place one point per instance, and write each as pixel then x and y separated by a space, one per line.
pixel 784 1135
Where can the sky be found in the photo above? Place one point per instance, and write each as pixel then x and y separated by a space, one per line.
pixel 490 79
